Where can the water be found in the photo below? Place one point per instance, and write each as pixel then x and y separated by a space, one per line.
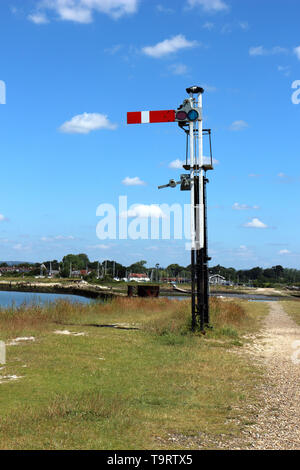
pixel 250 297
pixel 10 298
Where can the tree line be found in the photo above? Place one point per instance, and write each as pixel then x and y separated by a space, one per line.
pixel 256 276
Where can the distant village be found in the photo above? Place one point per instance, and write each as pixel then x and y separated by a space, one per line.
pixel 80 267
pixel 105 270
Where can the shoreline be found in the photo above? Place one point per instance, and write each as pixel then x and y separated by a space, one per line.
pixel 84 290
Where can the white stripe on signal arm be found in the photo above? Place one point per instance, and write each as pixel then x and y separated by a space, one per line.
pixel 145 117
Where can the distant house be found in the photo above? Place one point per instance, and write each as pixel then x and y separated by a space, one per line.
pixel 138 277
pixel 15 269
pixel 217 280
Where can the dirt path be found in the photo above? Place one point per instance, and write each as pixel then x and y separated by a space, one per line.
pixel 278 417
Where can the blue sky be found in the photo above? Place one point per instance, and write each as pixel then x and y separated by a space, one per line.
pixel 72 70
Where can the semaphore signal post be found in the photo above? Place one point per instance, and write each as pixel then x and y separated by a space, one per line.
pixel 190 120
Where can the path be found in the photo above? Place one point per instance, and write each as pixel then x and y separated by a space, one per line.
pixel 278 420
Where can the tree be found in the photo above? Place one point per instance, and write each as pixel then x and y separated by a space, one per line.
pixel 138 267
pixel 78 262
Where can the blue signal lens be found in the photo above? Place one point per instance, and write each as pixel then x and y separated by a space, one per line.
pixel 193 115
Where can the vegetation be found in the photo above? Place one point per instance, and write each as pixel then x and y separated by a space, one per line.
pixel 292 308
pixel 98 391
pixel 108 269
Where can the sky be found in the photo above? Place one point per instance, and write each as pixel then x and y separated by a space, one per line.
pixel 69 72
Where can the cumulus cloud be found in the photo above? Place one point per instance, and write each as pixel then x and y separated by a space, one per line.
pixel 209 5
pixel 135 181
pixel 81 11
pixel 255 223
pixel 169 46
pixel 38 18
pixel 87 122
pixel 284 252
pixel 262 51
pixel 297 52
pixel 242 207
pixel 144 211
pixel 239 125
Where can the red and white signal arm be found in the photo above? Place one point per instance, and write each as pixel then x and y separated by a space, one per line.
pixel 149 117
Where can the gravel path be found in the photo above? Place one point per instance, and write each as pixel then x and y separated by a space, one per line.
pixel 278 420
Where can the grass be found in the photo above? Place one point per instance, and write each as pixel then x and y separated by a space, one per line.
pixel 123 388
pixel 292 308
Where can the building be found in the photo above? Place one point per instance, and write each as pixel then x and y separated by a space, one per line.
pixel 138 277
pixel 217 280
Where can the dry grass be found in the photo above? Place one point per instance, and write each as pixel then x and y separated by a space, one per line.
pixel 159 316
pixel 292 308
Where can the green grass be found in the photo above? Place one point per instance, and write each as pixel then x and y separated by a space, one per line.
pixel 122 388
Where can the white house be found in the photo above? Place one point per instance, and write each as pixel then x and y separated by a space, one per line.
pixel 138 277
pixel 217 280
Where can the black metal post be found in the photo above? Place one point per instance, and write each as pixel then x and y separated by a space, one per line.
pixel 206 258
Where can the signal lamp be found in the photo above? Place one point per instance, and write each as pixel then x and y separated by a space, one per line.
pixel 181 116
pixel 192 115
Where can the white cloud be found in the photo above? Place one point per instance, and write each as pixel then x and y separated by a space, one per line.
pixel 297 51
pixel 177 164
pixel 38 18
pixel 168 46
pixel 209 5
pixel 242 207
pixel 87 122
pixel 2 218
pixel 62 237
pixel 178 69
pixel 239 125
pixel 20 247
pixel 284 252
pixel 255 223
pixel 244 25
pixel 285 70
pixel 135 181
pixel 144 211
pixel 57 237
pixel 282 175
pixel 163 9
pixel 262 51
pixel 81 11
pixel 208 25
pixel 113 49
pixel 209 88
pixel 99 247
